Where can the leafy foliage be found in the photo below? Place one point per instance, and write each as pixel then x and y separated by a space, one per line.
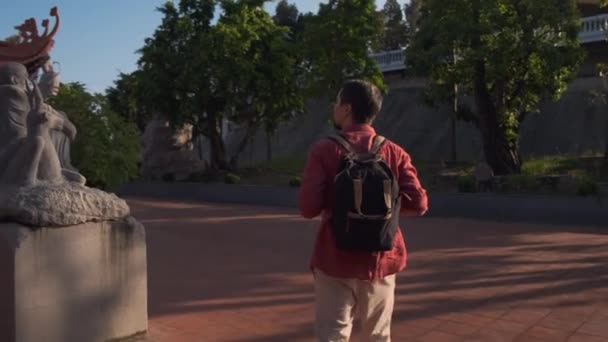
pixel 286 14
pixel 337 42
pixel 412 15
pixel 106 149
pixel 125 99
pixel 241 69
pixel 508 54
pixel 395 29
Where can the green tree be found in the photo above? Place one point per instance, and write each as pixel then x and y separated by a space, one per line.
pixel 395 30
pixel 260 64
pixel 337 42
pixel 286 14
pixel 507 54
pixel 125 99
pixel 239 69
pixel 106 149
pixel 412 15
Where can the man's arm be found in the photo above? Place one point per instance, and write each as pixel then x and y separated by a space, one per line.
pixel 311 199
pixel 414 201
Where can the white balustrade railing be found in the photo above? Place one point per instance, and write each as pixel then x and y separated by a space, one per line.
pixel 390 60
pixel 593 29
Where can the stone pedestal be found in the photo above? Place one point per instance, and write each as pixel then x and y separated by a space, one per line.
pixel 80 283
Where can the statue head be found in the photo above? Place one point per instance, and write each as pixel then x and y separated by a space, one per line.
pixel 14 74
pixel 47 67
pixel 49 81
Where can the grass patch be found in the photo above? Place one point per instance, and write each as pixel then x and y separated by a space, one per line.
pixel 231 178
pixel 285 171
pixel 547 166
pixel 592 166
pixel 581 176
pixel 288 165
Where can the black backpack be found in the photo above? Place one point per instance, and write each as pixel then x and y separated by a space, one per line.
pixel 367 203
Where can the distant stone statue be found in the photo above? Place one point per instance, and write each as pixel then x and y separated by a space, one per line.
pixel 484 176
pixel 27 153
pixel 169 151
pixel 62 139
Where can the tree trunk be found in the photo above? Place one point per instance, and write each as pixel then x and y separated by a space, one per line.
pixel 251 128
pixel 606 137
pixel 454 154
pixel 454 111
pixel 268 146
pixel 216 144
pixel 502 155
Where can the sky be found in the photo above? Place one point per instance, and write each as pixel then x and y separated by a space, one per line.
pixel 98 39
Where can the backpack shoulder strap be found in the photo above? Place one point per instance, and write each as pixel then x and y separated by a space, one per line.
pixel 379 141
pixel 343 142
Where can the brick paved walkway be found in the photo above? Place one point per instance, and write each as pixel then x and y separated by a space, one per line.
pixel 236 273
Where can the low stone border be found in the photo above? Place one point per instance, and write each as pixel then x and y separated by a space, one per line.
pixel 510 208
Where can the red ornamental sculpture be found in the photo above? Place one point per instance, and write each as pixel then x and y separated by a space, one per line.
pixel 29 47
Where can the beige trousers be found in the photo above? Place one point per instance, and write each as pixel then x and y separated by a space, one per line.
pixel 340 301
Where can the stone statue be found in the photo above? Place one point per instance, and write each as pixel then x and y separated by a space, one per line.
pixel 27 152
pixel 49 80
pixel 169 151
pixel 38 185
pixel 49 87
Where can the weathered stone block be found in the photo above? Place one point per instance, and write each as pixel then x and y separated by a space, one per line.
pixel 86 282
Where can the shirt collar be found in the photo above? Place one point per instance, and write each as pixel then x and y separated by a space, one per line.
pixel 359 128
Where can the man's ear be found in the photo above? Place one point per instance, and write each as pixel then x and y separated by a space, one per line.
pixel 349 109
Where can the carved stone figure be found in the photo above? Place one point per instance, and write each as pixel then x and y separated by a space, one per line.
pixel 49 87
pixel 49 80
pixel 27 152
pixel 38 185
pixel 169 151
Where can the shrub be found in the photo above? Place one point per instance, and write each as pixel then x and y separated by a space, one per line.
pixel 168 177
pixel 204 177
pixel 548 165
pixel 107 147
pixel 295 182
pixel 292 165
pixel 231 178
pixel 467 184
pixel 522 183
pixel 586 186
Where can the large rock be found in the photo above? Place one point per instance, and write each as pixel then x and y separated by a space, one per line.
pixel 58 205
pixel 80 283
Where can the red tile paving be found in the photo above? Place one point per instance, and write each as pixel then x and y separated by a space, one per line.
pixel 239 274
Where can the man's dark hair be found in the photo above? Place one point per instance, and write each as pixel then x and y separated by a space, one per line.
pixel 364 98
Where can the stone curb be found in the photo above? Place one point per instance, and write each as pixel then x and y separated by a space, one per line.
pixel 507 208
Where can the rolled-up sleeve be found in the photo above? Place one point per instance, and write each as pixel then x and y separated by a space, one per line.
pixel 414 200
pixel 311 199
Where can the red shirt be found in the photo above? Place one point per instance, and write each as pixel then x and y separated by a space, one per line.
pixel 316 197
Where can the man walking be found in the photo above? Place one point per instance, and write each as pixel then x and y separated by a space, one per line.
pixel 360 183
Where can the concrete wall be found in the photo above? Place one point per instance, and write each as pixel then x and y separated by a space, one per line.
pixel 574 125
